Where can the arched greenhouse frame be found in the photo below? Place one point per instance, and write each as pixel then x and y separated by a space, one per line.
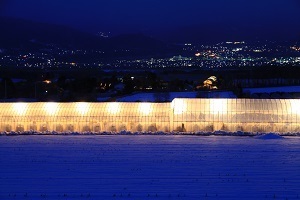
pixel 180 115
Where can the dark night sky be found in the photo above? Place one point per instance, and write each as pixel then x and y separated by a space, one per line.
pixel 121 16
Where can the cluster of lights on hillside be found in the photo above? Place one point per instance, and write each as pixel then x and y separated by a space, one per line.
pixel 221 55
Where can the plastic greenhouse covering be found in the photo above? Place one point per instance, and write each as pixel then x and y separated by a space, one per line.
pixel 183 115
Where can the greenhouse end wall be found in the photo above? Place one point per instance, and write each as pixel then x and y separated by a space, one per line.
pixel 182 115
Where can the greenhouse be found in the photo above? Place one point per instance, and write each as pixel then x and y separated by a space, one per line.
pixel 181 115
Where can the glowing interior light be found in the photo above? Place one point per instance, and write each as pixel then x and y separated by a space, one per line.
pixel 51 108
pixel 82 108
pixel 145 108
pixel 218 106
pixel 295 106
pixel 113 108
pixel 179 106
pixel 20 108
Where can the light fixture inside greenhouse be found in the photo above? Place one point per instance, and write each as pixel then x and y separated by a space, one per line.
pixel 113 108
pixel 218 106
pixel 179 106
pixel 145 108
pixel 20 108
pixel 82 108
pixel 295 106
pixel 51 108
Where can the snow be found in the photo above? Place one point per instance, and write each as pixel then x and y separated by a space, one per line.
pixel 198 133
pixel 169 96
pixel 148 167
pixel 103 99
pixel 217 94
pixel 272 89
pixel 151 97
pixel 269 136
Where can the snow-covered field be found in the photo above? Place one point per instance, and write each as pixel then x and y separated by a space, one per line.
pixel 149 167
pixel 273 89
pixel 152 97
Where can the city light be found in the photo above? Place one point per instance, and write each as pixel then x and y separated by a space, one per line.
pixel 220 55
pixel 47 81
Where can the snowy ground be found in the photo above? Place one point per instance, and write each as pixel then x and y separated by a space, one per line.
pixel 149 167
pixel 152 97
pixel 273 89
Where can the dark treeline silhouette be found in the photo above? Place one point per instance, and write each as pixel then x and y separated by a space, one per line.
pixel 87 85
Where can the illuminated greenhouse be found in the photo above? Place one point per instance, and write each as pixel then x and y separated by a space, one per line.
pixel 181 115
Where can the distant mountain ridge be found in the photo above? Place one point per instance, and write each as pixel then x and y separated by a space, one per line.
pixel 19 33
pixel 135 41
pixel 23 33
